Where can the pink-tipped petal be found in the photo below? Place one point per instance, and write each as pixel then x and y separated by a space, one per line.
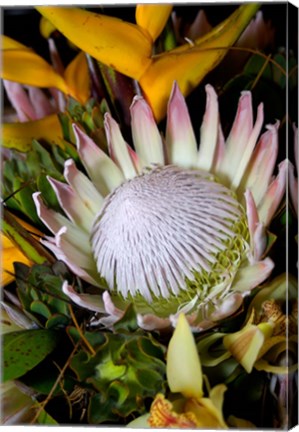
pixel 40 103
pixel 248 150
pixel 252 214
pixel 118 148
pixel 293 187
pixel 209 131
pixel 110 307
pixel 19 100
pixel 104 173
pixel 55 57
pixel 72 204
pixel 259 241
pixel 249 277
pixel 260 169
pixel 274 195
pixel 180 139
pixel 55 222
pixel 220 150
pixel 199 27
pixel 146 136
pixel 87 301
pixel 238 138
pixel 74 253
pixel 150 322
pixel 83 187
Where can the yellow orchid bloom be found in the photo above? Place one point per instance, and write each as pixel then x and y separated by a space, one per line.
pixel 11 253
pixel 184 376
pixel 128 48
pixel 267 333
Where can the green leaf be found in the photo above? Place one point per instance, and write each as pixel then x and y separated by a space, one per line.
pixel 31 247
pixel 23 350
pixel 128 321
pixel 45 419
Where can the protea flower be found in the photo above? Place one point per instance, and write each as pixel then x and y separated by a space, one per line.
pixel 169 227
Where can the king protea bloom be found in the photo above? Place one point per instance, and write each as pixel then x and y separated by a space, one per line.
pixel 168 227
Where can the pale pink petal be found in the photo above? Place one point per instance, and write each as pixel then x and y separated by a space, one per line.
pixel 248 150
pixel 274 195
pixel 19 100
pixel 87 301
pixel 110 307
pixel 209 131
pixel 150 322
pixel 55 221
pixel 252 214
pixel 83 187
pixel 226 307
pixel 258 238
pixel 259 241
pixel 293 187
pixel 75 255
pixel 146 136
pixel 55 57
pixel 220 150
pixel 258 34
pixel 40 103
pixel 199 27
pixel 260 169
pixel 180 139
pixel 72 204
pixel 118 148
pixel 249 277
pixel 238 137
pixel 104 173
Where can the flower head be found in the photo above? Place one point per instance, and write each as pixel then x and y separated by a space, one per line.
pixel 167 227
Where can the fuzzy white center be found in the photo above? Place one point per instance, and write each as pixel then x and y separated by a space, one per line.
pixel 157 229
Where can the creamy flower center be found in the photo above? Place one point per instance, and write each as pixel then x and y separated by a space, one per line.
pixel 166 231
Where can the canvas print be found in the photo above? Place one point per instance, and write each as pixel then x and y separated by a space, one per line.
pixel 150 215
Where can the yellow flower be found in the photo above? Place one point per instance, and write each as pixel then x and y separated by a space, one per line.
pixel 21 64
pixel 184 375
pixel 35 112
pixel 128 48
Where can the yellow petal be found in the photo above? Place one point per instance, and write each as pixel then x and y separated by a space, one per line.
pixel 9 256
pixel 208 411
pixel 183 366
pixel 9 43
pixel 245 345
pixel 153 17
pixel 46 28
pixel 24 66
pixel 20 135
pixel 118 44
pixel 188 65
pixel 77 78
